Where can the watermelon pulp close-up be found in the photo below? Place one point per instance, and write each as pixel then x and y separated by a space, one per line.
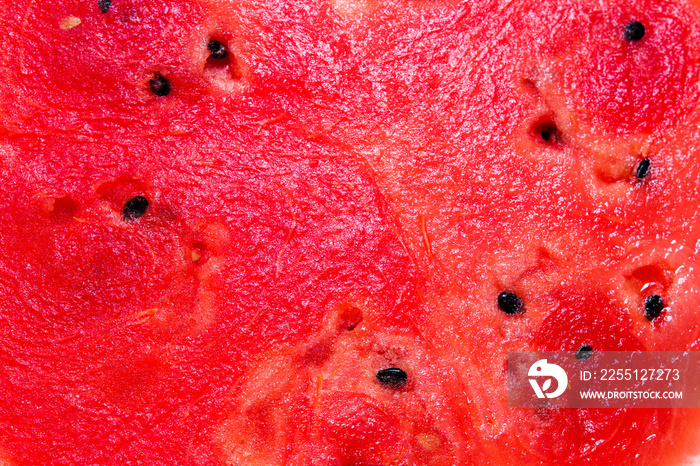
pixel 309 233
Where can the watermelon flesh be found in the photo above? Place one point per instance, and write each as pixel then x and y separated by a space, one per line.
pixel 347 191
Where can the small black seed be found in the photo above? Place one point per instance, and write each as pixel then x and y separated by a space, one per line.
pixel 584 352
pixel 135 208
pixel 104 5
pixel 392 377
pixel 653 307
pixel 160 85
pixel 510 303
pixel 546 135
pixel 643 168
pixel 218 50
pixel 634 31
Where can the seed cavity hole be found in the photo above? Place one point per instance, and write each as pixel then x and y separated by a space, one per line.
pixel 221 62
pixel 656 275
pixel 647 284
pixel 63 210
pixel 350 318
pixel 547 132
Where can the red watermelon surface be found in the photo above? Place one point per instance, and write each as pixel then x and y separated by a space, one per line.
pixel 309 232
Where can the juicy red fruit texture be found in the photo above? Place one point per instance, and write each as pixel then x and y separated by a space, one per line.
pixel 591 318
pixel 578 319
pixel 481 194
pixel 149 319
pixel 97 74
pixel 348 191
pixel 631 86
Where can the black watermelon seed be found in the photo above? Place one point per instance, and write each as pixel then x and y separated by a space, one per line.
pixel 160 85
pixel 392 377
pixel 135 208
pixel 510 303
pixel 653 307
pixel 643 168
pixel 584 352
pixel 634 31
pixel 217 50
pixel 104 5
